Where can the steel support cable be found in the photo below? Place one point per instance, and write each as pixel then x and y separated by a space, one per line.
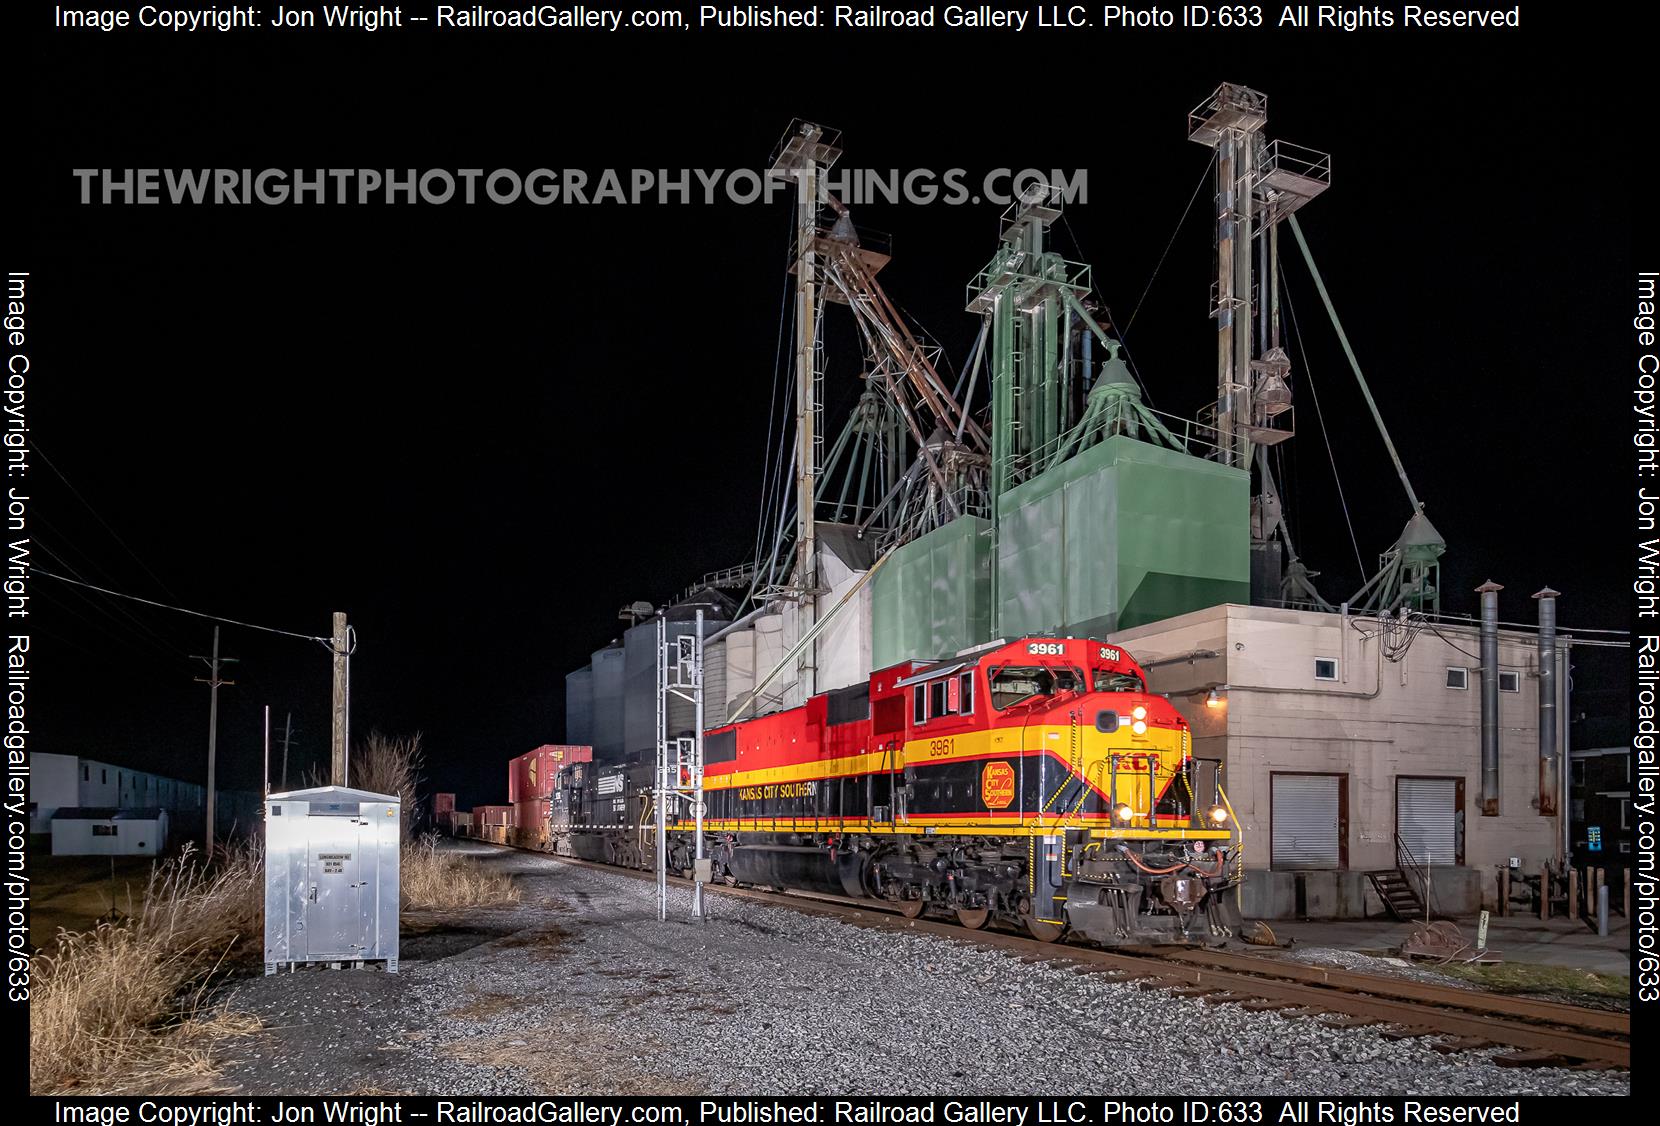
pixel 1129 360
pixel 1308 374
pixel 772 416
pixel 1354 362
pixel 1186 211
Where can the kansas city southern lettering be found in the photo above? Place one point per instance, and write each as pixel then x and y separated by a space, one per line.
pixel 778 790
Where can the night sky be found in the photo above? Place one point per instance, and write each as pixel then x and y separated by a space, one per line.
pixel 480 431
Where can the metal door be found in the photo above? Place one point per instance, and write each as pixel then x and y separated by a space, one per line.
pixel 334 908
pixel 1426 822
pixel 1307 812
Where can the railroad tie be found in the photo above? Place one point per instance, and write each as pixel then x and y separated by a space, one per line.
pixel 1343 1020
pixel 1267 1006
pixel 1460 1044
pixel 1194 991
pixel 1406 1033
pixel 1536 1057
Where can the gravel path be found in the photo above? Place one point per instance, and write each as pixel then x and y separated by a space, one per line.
pixel 581 990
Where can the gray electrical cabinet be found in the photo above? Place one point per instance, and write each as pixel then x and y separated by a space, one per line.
pixel 331 878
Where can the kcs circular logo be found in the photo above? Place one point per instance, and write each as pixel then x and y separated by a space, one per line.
pixel 997 785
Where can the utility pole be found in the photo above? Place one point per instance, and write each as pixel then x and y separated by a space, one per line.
pixel 213 681
pixel 287 733
pixel 342 700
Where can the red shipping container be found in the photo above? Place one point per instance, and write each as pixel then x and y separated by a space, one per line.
pixel 443 803
pixel 530 819
pixel 531 775
pixel 500 815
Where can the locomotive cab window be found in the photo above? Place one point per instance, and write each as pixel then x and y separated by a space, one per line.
pixel 919 704
pixel 1012 686
pixel 939 703
pixel 1106 680
pixel 965 694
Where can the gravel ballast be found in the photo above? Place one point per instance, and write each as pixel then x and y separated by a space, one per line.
pixel 581 990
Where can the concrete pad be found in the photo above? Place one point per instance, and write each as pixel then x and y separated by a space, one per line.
pixel 1558 942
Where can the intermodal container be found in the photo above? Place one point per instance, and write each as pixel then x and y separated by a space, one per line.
pixel 530 776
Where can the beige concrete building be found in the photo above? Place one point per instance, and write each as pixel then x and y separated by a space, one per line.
pixel 1350 747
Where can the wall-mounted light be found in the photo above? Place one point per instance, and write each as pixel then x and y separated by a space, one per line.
pixel 1215 699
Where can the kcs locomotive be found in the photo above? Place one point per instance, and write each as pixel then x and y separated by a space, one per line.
pixel 1035 783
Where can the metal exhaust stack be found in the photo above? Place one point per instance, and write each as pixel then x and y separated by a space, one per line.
pixel 1548 766
pixel 1489 592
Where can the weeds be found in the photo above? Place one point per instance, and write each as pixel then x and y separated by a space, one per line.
pixel 440 881
pixel 126 1001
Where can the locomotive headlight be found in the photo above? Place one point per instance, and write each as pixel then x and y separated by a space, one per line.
pixel 1122 811
pixel 1139 712
pixel 1217 814
pixel 1139 726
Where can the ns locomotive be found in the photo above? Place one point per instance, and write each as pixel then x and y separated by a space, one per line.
pixel 1035 783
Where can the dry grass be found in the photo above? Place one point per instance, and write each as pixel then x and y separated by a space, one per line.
pixel 124 1004
pixel 383 764
pixel 439 881
pixel 1526 978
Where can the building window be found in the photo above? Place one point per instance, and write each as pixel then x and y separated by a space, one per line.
pixel 103 830
pixel 1458 678
pixel 965 696
pixel 940 704
pixel 1325 668
pixel 103 777
pixel 1510 680
pixel 86 772
pixel 919 704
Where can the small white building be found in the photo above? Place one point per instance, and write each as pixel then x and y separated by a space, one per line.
pixel 1350 747
pixel 89 831
pixel 54 784
pixel 68 783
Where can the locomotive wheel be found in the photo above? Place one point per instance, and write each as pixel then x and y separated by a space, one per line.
pixel 911 908
pixel 1040 930
pixel 973 918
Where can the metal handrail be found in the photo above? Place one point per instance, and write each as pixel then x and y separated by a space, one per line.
pixel 1299 160
pixel 1419 870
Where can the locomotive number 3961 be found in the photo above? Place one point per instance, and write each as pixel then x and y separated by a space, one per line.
pixel 1046 648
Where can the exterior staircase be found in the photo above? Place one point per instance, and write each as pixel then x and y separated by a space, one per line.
pixel 1398 894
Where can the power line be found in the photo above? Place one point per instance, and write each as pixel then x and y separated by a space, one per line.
pixel 182 610
pixel 41 454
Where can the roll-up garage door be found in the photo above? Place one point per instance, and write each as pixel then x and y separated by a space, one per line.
pixel 1307 813
pixel 1426 820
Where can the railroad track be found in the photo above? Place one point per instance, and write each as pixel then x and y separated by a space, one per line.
pixel 1540 1033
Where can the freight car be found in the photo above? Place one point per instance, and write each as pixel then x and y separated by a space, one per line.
pixel 1035 782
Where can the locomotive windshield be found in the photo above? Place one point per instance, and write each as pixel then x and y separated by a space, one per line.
pixel 1013 686
pixel 1106 680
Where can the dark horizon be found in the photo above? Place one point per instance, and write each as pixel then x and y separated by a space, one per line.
pixel 454 422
